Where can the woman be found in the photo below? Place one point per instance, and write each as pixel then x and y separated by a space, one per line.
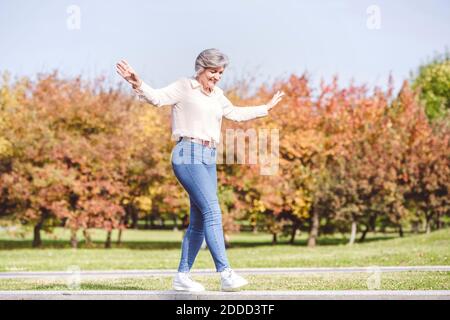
pixel 198 106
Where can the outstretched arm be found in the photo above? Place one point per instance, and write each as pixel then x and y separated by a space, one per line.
pixel 157 97
pixel 247 113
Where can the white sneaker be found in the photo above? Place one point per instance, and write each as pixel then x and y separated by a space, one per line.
pixel 183 282
pixel 231 281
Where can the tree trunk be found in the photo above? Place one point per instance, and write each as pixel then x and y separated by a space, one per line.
pixel 126 218
pixel 415 227
pixel 119 237
pixel 353 234
pixel 37 242
pixel 424 224
pixel 372 222
pixel 73 239
pixel 314 232
pixel 274 238
pixel 185 222
pixel 438 221
pixel 108 240
pixel 364 233
pixel 226 239
pixel 87 238
pixel 134 219
pixel 400 230
pixel 152 221
pixel 293 233
pixel 428 224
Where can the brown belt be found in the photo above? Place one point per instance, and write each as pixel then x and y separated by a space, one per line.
pixel 206 143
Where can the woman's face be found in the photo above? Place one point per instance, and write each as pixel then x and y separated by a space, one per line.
pixel 210 76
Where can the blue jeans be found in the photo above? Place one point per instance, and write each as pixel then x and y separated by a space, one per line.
pixel 194 166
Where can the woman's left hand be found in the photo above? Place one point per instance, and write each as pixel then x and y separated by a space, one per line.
pixel 276 98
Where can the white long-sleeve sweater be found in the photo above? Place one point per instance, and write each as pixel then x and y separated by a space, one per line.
pixel 195 113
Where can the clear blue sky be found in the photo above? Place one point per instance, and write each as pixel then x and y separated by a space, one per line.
pixel 264 39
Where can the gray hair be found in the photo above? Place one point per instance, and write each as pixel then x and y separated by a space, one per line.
pixel 210 58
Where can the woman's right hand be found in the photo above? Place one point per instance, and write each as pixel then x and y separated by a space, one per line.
pixel 128 73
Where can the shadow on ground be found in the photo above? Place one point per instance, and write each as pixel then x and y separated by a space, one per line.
pixel 156 245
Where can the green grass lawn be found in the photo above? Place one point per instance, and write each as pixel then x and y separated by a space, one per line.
pixel 142 249
pixel 328 281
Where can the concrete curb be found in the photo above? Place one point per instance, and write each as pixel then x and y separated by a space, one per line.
pixel 242 295
pixel 209 272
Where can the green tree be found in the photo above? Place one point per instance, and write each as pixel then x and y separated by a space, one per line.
pixel 433 82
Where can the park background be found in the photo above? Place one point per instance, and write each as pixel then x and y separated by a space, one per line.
pixel 363 179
